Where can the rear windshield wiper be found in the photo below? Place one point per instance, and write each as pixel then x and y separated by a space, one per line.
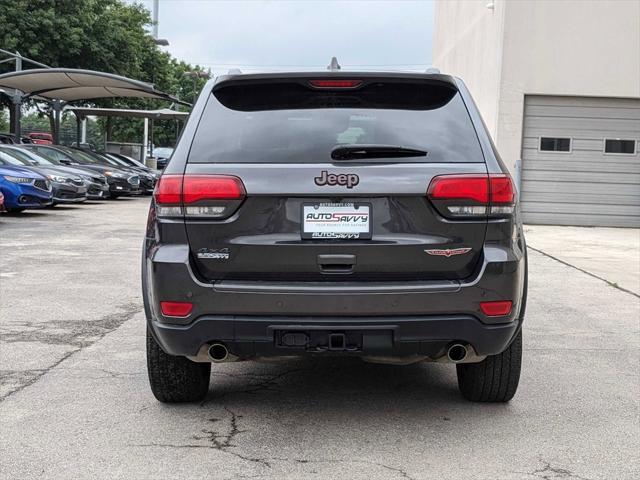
pixel 349 152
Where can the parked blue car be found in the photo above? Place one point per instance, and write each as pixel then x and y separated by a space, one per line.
pixel 24 188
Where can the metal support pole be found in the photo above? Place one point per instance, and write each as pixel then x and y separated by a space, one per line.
pixel 151 138
pixel 83 136
pixel 145 141
pixel 156 14
pixel 57 110
pixel 78 131
pixel 18 61
pixel 17 113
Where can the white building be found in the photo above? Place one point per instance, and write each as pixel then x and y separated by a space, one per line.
pixel 558 84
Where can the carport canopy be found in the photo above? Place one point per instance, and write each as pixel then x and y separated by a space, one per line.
pixel 69 84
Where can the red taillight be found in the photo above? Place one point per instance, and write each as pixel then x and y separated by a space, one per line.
pixel 496 309
pixel 168 190
pixel 472 195
pixel 335 83
pixel 176 309
pixel 198 195
pixel 501 189
pixel 206 187
pixel 460 187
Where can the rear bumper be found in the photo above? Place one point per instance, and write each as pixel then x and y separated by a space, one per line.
pixel 416 317
pixel 248 337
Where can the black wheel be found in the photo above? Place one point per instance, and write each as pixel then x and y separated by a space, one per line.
pixel 114 196
pixel 175 379
pixel 496 378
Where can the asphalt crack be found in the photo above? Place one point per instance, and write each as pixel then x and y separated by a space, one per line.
pixel 608 282
pixel 77 338
pixel 77 333
pixel 550 472
pixel 216 440
pixel 263 383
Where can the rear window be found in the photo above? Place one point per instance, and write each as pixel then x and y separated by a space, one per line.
pixel 289 122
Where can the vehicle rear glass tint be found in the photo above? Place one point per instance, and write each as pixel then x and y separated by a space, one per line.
pixel 289 122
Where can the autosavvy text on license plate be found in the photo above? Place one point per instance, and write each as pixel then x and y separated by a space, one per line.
pixel 336 220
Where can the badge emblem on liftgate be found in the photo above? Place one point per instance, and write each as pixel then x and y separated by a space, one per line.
pixel 214 253
pixel 348 180
pixel 448 252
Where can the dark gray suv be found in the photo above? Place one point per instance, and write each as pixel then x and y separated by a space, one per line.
pixel 334 213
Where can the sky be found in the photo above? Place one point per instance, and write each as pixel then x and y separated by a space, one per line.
pixel 298 34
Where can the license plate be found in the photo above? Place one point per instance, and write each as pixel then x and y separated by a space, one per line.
pixel 344 221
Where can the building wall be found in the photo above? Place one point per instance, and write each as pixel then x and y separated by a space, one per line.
pixel 468 44
pixel 561 47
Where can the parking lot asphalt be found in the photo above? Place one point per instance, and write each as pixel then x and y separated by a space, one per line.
pixel 75 403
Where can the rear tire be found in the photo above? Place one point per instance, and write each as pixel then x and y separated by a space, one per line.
pixel 496 378
pixel 175 379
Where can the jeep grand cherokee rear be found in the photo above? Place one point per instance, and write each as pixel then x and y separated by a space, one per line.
pixel 364 214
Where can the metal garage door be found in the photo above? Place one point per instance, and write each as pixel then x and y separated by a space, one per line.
pixel 568 176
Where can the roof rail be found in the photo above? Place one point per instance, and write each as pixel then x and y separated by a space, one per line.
pixel 234 71
pixel 334 65
pixel 432 70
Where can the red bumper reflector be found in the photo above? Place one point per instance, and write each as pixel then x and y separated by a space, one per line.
pixel 176 309
pixel 496 309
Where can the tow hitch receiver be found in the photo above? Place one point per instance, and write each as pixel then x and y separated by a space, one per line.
pixel 337 341
pixel 320 340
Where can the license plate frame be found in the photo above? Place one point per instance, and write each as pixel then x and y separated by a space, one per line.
pixel 323 229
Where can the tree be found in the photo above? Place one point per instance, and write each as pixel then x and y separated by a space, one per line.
pixel 103 35
pixel 4 124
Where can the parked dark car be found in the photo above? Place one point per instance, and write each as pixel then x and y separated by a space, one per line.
pixel 133 162
pixel 147 179
pixel 162 154
pixel 96 183
pixel 356 214
pixel 120 182
pixel 66 187
pixel 23 188
pixel 10 139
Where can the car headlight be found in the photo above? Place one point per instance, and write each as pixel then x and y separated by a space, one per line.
pixel 57 178
pixel 115 174
pixel 12 179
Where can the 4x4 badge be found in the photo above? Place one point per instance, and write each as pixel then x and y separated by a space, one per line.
pixel 448 252
pixel 348 180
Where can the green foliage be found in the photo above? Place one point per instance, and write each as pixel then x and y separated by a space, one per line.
pixel 4 122
pixel 103 35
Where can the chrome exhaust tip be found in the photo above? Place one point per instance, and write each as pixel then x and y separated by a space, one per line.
pixel 218 352
pixel 457 352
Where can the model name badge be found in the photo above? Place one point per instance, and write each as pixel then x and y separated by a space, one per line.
pixel 448 252
pixel 214 254
pixel 348 180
